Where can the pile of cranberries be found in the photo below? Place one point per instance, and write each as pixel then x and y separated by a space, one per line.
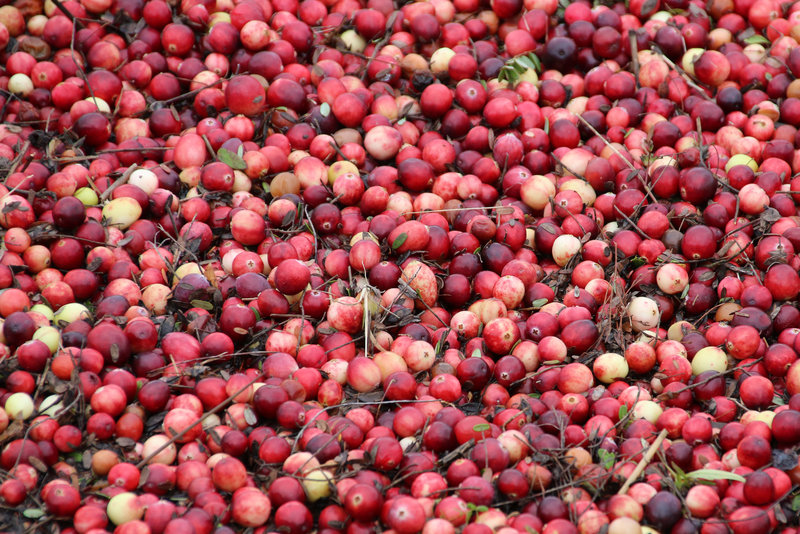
pixel 362 266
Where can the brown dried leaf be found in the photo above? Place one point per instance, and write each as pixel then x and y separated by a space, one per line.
pixel 30 8
pixel 86 459
pixel 15 429
pixel 36 47
pixel 37 464
pixel 211 275
pixel 126 443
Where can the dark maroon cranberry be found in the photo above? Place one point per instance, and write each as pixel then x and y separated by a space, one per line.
pixel 473 373
pixel 663 510
pixel 559 53
pixel 729 99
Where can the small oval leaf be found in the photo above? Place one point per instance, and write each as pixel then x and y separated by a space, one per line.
pixel 715 474
pixel 398 242
pixel 250 417
pixel 231 159
pixel 526 62
pixel 757 39
pixel 536 61
pixel 33 513
pixel 126 443
pixel 202 304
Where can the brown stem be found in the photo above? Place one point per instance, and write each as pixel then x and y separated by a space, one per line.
pixel 205 416
pixel 18 160
pixel 121 180
pixel 646 459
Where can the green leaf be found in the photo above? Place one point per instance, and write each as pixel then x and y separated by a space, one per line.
pixel 538 303
pixel 441 343
pixel 399 240
pixel 476 353
pixel 325 109
pixel 481 427
pixel 685 292
pixel 519 68
pixel 547 126
pixel 623 411
pixel 536 61
pixel 202 304
pixel 526 62
pixel 678 471
pixel 512 68
pixel 796 503
pixel 33 513
pixel 757 39
pixel 638 261
pixel 607 458
pixel 481 508
pixel 231 159
pixel 507 74
pixel 714 474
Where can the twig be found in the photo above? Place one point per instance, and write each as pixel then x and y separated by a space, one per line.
pixel 205 416
pixel 634 54
pixel 365 296
pixel 18 160
pixel 633 224
pixel 121 180
pixel 75 20
pixel 209 147
pixel 574 173
pixel 502 210
pixel 75 159
pixel 680 71
pixel 646 459
pixel 72 52
pixel 720 374
pixel 133 149
pixel 338 151
pixel 609 145
pixel 387 35
pixel 166 103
